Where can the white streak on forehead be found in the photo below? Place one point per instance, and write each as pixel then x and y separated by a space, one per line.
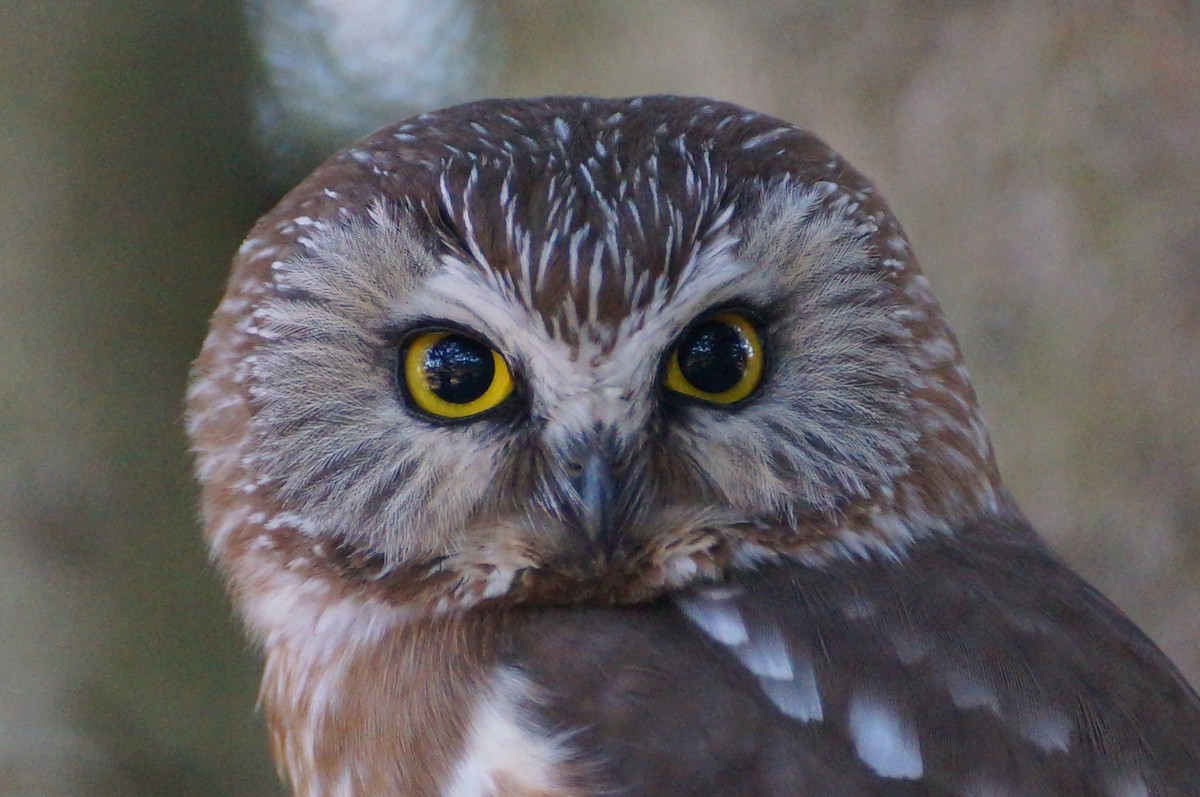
pixel 477 298
pixel 464 293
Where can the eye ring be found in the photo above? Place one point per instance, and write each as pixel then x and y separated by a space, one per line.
pixel 718 360
pixel 451 375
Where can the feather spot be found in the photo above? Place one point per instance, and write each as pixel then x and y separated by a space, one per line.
pixel 788 681
pixel 884 740
pixel 968 691
pixel 910 648
pixel 1048 728
pixel 1128 784
pixel 719 619
pixel 799 697
pixel 766 656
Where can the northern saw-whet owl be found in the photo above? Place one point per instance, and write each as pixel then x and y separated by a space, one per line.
pixel 619 447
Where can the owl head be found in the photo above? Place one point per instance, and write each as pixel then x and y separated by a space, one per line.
pixel 550 350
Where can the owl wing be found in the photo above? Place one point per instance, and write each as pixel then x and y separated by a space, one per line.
pixel 976 665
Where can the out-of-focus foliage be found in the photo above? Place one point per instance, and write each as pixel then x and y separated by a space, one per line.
pixel 125 182
pixel 1044 156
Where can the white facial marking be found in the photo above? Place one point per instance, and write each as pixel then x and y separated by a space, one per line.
pixel 883 739
pixel 303 615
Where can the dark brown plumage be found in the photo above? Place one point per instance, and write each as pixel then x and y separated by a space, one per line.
pixel 802 576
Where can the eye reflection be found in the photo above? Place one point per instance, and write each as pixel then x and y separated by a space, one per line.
pixel 450 375
pixel 718 360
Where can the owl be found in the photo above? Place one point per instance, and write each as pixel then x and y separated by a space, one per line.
pixel 575 447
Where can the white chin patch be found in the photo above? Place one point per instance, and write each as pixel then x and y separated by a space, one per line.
pixel 504 752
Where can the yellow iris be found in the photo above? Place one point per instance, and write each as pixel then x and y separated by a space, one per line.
pixel 451 375
pixel 719 360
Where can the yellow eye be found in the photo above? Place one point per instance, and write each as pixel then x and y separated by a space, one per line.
pixel 719 360
pixel 450 375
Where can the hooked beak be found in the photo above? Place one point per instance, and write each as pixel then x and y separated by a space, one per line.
pixel 592 487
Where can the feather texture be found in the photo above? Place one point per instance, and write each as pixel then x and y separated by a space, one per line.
pixel 822 588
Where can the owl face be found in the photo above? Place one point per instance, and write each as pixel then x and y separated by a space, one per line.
pixel 571 347
pixel 518 354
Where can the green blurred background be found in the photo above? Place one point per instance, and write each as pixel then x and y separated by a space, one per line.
pixel 1044 157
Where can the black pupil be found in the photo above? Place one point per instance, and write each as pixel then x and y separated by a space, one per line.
pixel 458 369
pixel 713 356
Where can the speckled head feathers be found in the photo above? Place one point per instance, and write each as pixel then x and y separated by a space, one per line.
pixel 579 238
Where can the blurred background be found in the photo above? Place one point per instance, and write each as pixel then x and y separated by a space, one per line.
pixel 1044 157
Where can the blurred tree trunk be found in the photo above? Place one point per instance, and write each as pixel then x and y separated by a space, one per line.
pixel 124 188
